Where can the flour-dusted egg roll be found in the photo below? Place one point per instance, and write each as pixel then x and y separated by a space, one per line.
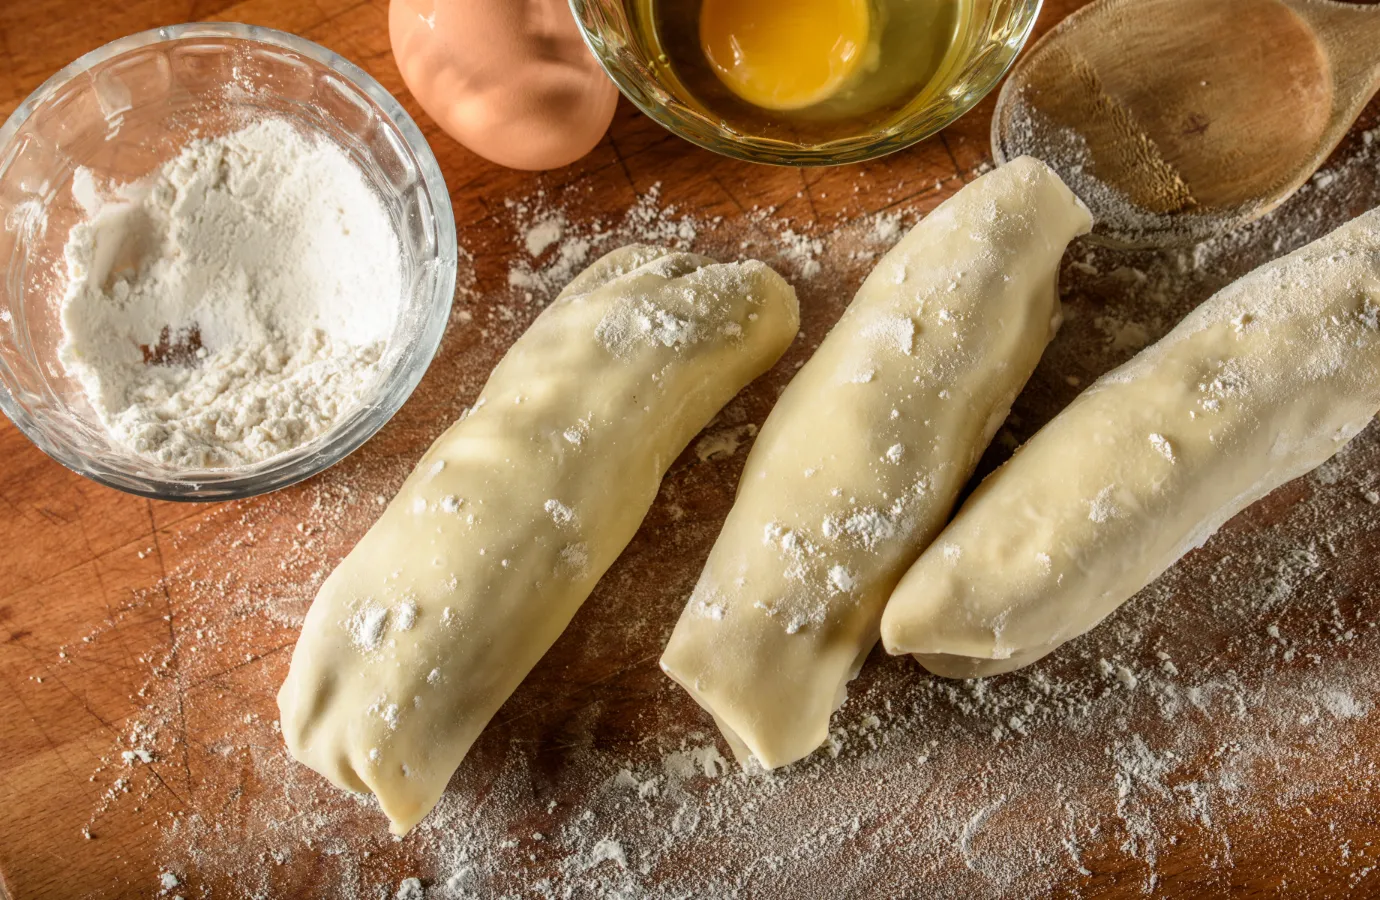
pixel 502 530
pixel 1263 382
pixel 859 464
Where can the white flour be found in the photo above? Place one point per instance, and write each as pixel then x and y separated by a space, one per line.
pixel 236 303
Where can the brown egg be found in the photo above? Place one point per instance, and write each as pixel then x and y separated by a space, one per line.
pixel 512 80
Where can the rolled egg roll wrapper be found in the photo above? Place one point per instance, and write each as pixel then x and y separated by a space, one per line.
pixel 1262 383
pixel 514 513
pixel 859 464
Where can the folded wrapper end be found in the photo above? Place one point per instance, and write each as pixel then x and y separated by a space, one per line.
pixel 742 753
pixel 949 665
pixel 340 769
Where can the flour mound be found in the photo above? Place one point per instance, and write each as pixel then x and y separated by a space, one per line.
pixel 236 303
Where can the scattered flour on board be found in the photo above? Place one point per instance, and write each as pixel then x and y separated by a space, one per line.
pixel 1181 729
pixel 724 442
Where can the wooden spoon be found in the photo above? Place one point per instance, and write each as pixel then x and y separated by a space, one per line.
pixel 1176 120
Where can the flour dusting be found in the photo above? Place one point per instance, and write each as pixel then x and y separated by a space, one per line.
pixel 1152 754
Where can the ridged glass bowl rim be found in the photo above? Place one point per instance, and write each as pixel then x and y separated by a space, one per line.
pixel 703 131
pixel 397 385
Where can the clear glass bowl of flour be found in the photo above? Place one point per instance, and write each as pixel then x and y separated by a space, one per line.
pixel 125 113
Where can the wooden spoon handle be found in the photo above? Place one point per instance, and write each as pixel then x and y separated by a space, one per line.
pixel 1350 34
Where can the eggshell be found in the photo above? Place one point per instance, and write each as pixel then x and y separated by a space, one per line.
pixel 512 80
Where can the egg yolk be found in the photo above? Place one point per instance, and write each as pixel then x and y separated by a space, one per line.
pixel 785 54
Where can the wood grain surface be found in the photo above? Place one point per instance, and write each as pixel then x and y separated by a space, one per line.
pixel 97 626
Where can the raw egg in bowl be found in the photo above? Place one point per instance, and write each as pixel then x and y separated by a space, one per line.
pixel 805 82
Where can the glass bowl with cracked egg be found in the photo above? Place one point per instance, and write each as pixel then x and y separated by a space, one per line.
pixel 805 82
pixel 125 110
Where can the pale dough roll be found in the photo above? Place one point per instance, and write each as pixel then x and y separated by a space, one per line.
pixel 502 530
pixel 859 464
pixel 1262 383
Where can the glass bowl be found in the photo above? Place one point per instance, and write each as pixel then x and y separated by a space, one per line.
pixel 996 32
pixel 125 109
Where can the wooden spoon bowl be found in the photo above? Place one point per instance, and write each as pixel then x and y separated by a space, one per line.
pixel 1176 120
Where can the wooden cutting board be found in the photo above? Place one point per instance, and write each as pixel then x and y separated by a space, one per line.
pixel 1216 736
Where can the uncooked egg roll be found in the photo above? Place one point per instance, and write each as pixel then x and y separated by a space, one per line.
pixel 1264 382
pixel 513 514
pixel 860 463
